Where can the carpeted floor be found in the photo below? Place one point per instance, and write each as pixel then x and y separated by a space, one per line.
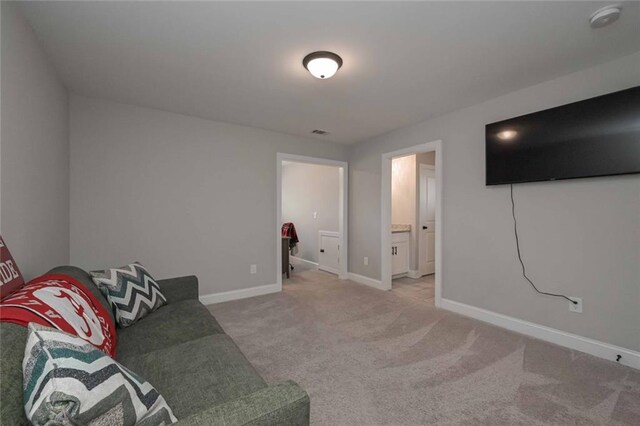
pixel 422 288
pixel 369 357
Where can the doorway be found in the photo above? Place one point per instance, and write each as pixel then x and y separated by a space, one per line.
pixel 411 234
pixel 322 246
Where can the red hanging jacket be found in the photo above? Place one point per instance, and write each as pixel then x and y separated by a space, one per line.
pixel 289 230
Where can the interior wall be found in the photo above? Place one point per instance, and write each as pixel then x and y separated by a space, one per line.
pixel 309 189
pixel 579 237
pixel 34 165
pixel 403 190
pixel 180 194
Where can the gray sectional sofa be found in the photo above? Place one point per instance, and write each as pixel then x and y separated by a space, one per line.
pixel 182 351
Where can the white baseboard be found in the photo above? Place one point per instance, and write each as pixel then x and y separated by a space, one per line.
pixel 572 341
pixel 361 279
pixel 225 296
pixel 414 274
pixel 328 269
pixel 308 262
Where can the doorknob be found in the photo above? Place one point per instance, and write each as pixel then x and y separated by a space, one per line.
pixel 425 227
pixel 321 250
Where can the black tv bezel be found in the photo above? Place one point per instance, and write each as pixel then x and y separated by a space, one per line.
pixel 510 182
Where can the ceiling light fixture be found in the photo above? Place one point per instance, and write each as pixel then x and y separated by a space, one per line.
pixel 507 135
pixel 322 65
pixel 605 16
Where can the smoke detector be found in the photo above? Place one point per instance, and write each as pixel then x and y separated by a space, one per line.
pixel 605 16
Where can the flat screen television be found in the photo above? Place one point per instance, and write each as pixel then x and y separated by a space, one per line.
pixel 595 137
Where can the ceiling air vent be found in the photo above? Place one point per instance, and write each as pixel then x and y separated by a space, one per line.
pixel 320 132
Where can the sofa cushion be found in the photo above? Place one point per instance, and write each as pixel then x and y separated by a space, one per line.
pixel 13 339
pixel 170 325
pixel 69 381
pixel 196 375
pixel 131 290
pixel 85 279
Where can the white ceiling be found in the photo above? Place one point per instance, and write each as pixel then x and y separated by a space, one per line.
pixel 241 62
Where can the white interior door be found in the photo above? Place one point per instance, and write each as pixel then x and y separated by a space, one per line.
pixel 427 223
pixel 329 255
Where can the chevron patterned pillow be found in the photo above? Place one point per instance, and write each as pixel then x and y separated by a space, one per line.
pixel 68 381
pixel 131 290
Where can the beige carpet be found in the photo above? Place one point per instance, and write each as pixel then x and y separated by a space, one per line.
pixel 369 357
pixel 423 288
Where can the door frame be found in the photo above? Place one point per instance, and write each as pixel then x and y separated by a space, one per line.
pixel 343 206
pixel 385 230
pixel 419 223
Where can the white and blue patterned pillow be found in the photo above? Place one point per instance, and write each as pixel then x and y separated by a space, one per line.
pixel 131 290
pixel 68 381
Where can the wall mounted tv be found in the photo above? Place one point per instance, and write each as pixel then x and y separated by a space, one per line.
pixel 595 137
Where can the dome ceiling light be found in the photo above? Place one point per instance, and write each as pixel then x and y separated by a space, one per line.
pixel 322 65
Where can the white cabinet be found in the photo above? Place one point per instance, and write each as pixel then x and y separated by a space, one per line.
pixel 399 253
pixel 329 256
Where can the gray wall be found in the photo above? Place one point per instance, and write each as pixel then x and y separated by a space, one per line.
pixel 309 188
pixel 34 166
pixel 180 194
pixel 580 237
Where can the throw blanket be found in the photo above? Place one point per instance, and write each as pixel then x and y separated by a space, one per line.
pixel 62 302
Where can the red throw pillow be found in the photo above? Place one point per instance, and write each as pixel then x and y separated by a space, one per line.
pixel 62 302
pixel 10 276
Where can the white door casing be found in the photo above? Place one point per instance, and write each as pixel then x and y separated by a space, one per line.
pixel 427 222
pixel 385 219
pixel 342 205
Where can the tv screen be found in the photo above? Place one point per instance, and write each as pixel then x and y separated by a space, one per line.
pixel 595 137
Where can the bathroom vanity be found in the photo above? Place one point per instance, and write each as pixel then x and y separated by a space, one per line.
pixel 400 249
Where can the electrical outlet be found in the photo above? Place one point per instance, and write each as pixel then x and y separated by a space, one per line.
pixel 366 261
pixel 253 269
pixel 575 307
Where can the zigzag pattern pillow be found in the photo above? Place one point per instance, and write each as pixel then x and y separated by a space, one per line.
pixel 68 381
pixel 131 290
